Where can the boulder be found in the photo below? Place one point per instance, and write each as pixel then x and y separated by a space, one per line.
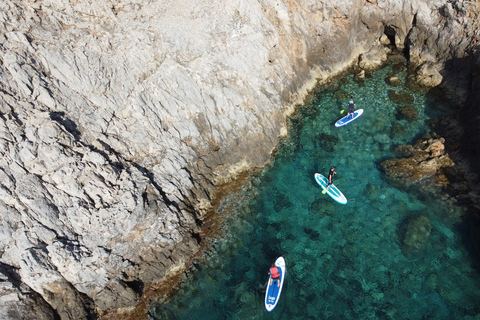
pixel 428 75
pixel 393 81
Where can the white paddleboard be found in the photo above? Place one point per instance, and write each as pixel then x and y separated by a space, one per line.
pixel 345 120
pixel 332 191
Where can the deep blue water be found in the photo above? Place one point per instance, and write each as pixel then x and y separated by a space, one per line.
pixel 343 261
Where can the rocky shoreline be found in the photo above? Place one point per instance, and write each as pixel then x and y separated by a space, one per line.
pixel 120 121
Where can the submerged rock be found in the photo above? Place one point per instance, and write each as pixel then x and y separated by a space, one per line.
pixel 416 236
pixel 400 97
pixel 398 130
pixel 327 142
pixel 408 112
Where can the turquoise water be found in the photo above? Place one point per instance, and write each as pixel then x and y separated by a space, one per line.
pixel 343 261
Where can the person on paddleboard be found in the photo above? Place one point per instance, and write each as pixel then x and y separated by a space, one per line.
pixel 331 173
pixel 274 273
pixel 351 107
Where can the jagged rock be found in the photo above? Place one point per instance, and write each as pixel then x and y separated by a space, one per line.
pixel 426 158
pixel 18 301
pixel 428 75
pixel 416 235
pixel 373 58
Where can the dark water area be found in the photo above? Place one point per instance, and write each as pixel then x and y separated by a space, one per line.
pixel 343 261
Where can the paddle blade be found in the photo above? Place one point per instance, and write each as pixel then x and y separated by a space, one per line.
pixel 342 111
pixel 324 191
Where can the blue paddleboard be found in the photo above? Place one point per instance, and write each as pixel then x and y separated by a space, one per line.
pixel 274 289
pixel 345 120
pixel 332 191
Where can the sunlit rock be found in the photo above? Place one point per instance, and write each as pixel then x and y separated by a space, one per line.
pixel 428 75
pixel 425 159
pixel 394 81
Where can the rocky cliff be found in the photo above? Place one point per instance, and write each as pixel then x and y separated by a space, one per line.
pixel 119 118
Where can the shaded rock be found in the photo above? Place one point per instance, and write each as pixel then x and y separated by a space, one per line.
pixel 416 236
pixel 408 112
pixel 399 60
pixel 400 97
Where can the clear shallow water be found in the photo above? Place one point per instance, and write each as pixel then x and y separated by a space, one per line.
pixel 343 261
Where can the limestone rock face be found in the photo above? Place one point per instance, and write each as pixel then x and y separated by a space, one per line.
pixel 119 118
pixel 432 31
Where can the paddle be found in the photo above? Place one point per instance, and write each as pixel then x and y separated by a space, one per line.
pixel 264 287
pixel 325 190
pixel 341 112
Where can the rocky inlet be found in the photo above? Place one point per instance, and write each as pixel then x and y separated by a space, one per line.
pixel 119 120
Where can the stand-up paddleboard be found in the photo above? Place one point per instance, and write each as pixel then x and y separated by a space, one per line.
pixel 274 289
pixel 332 191
pixel 345 120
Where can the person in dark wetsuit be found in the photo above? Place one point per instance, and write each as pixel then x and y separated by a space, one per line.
pixel 274 273
pixel 351 107
pixel 331 173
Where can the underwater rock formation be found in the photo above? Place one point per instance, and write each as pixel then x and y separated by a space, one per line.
pixel 416 235
pixel 400 97
pixel 424 159
pixel 408 112
pixel 118 121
